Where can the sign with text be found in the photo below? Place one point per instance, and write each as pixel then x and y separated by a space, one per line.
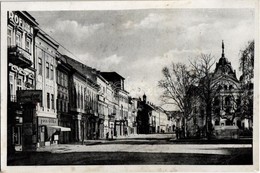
pixel 47 121
pixel 29 96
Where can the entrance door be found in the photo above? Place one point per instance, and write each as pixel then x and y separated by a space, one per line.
pixel 17 135
pixel 42 135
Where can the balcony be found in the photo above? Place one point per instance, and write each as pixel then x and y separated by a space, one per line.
pixel 19 56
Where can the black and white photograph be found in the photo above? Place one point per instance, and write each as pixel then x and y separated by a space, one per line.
pixel 150 84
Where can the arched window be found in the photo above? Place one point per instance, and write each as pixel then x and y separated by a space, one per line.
pixel 216 101
pixel 227 100
pixel 225 87
pixel 216 122
pixel 230 87
pixel 219 88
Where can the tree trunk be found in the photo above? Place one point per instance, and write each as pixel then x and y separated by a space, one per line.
pixel 208 121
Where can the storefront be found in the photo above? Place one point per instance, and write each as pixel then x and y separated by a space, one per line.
pixel 49 131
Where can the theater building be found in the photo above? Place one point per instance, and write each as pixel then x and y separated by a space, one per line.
pixel 21 73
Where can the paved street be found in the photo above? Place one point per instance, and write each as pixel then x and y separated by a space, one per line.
pixel 138 149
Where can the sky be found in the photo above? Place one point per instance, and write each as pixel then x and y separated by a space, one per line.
pixel 137 44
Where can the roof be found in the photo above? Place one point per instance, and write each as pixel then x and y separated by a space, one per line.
pixel 111 75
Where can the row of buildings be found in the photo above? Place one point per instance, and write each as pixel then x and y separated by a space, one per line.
pixel 53 98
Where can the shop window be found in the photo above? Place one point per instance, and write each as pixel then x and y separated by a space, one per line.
pixel 40 66
pixel 47 70
pixel 48 100
pixel 17 134
pixel 9 36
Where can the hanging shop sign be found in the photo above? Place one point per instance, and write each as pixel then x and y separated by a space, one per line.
pixel 29 96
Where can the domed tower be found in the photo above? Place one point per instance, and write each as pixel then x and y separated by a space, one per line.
pixel 223 66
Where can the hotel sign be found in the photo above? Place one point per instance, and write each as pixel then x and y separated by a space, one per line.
pixel 29 96
pixel 19 21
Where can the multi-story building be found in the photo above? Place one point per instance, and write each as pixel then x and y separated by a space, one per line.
pixel 21 29
pixel 226 101
pixel 63 75
pixel 84 101
pixel 145 120
pixel 103 106
pixel 112 104
pixel 46 112
pixel 132 114
pixel 121 97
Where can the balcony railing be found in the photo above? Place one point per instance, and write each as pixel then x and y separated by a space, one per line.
pixel 19 56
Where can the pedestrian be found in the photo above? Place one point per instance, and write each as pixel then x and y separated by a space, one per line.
pixel 177 132
pixel 107 134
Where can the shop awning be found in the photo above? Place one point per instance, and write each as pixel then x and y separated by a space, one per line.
pixel 63 129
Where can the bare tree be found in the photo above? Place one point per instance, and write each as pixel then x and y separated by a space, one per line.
pixel 247 68
pixel 176 84
pixel 247 62
pixel 206 85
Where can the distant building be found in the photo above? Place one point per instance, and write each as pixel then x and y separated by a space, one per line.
pixel 121 97
pixel 63 80
pixel 84 101
pixel 144 116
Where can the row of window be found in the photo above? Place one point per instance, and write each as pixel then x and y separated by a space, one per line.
pixel 50 101
pixel 18 39
pixel 49 69
pixel 62 79
pixel 62 105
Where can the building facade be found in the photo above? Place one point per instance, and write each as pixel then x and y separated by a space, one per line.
pixel 46 112
pixel 227 100
pixel 21 29
pixel 63 76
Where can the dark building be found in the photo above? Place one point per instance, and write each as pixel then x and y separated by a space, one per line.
pixel 83 90
pixel 21 29
pixel 143 116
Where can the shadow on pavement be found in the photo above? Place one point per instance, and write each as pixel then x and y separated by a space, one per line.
pixel 241 157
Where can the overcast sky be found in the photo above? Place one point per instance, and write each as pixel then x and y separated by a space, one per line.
pixel 137 44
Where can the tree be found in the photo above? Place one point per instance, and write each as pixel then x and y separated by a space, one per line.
pixel 176 83
pixel 247 68
pixel 247 62
pixel 206 85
